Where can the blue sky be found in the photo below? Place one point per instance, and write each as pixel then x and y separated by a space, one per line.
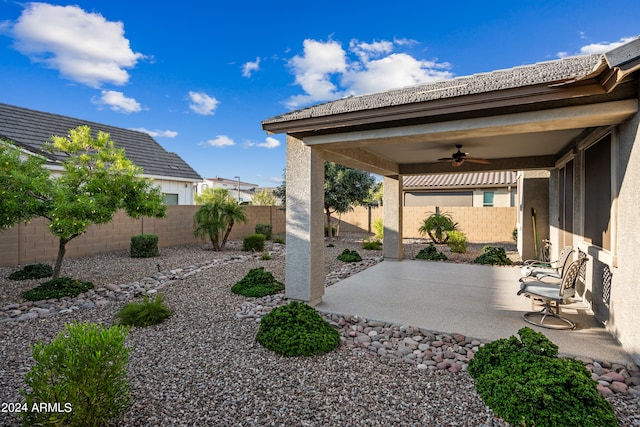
pixel 200 76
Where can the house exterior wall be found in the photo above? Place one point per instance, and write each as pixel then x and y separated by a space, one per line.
pixel 502 197
pixel 32 243
pixel 184 190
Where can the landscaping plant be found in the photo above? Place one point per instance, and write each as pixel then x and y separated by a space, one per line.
pixel 437 226
pixel 372 245
pixel 524 382
pixel 253 243
pixel 457 241
pixel 216 217
pixel 32 271
pixel 57 288
pixel 297 329
pixel 265 230
pixel 378 228
pixel 349 256
pixel 431 253
pixel 257 283
pixel 144 246
pixel 83 372
pixel 145 313
pixel 493 255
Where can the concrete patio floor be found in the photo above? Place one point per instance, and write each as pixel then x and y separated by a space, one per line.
pixel 474 300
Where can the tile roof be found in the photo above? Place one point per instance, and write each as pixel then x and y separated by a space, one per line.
pixel 30 129
pixel 565 69
pixel 460 180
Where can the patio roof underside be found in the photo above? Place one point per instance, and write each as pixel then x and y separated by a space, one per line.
pixel 523 126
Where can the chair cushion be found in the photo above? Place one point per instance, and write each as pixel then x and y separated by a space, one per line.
pixel 550 291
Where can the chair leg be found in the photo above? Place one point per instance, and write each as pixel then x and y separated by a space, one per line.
pixel 548 313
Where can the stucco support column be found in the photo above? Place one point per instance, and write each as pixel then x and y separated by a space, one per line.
pixel 304 276
pixel 392 218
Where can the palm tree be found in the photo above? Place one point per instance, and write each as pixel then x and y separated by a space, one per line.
pixel 437 225
pixel 216 217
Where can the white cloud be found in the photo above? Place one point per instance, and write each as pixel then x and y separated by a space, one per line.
pixel 117 102
pixel 249 67
pixel 269 143
pixel 202 103
pixel 158 133
pixel 603 46
pixel 325 71
pixel 313 71
pixel 221 141
pixel 82 46
pixel 276 179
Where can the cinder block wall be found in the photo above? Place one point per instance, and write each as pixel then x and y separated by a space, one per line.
pixel 31 243
pixel 490 224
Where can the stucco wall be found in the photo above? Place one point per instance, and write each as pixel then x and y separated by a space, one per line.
pixel 30 243
pixel 479 224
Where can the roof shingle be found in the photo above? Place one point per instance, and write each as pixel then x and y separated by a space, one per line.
pixel 457 180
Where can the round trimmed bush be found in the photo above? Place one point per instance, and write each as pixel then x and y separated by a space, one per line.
pixel 297 329
pixel 431 253
pixel 349 256
pixel 257 283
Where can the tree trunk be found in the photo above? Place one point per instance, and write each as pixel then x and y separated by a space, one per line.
pixel 62 249
pixel 329 232
pixel 226 234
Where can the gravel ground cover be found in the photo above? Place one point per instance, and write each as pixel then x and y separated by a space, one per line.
pixel 203 366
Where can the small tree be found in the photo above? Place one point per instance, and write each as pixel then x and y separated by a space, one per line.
pixel 209 195
pixel 264 197
pixel 98 180
pixel 215 219
pixel 437 225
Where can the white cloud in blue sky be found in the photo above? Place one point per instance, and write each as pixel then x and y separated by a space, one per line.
pixel 116 101
pixel 270 143
pixel 202 103
pixel 221 141
pixel 249 67
pixel 84 47
pixel 326 71
pixel 158 133
pixel 601 47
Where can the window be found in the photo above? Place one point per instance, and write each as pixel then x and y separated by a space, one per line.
pixel 487 198
pixel 597 190
pixel 170 199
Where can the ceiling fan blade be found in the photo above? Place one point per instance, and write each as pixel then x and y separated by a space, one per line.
pixel 480 161
pixel 446 159
pixel 457 163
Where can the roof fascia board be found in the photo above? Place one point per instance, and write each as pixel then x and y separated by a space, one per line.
pixel 563 118
pixel 171 178
pixel 467 103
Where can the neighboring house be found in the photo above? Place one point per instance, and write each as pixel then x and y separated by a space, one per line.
pixel 571 125
pixel 241 191
pixel 30 129
pixel 477 189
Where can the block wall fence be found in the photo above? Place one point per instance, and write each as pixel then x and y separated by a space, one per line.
pixel 32 243
pixel 480 224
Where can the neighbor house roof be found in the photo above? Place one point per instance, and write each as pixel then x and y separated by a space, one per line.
pixel 460 180
pixel 30 129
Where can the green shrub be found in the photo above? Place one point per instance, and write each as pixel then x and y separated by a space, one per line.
pixel 32 271
pixel 144 246
pixel 253 242
pixel 265 230
pixel 84 371
pixel 331 245
pixel 494 256
pixel 457 241
pixel 57 288
pixel 265 256
pixel 524 382
pixel 431 253
pixel 514 234
pixel 349 256
pixel 296 329
pixel 372 245
pixel 257 283
pixel 279 240
pixel 145 313
pixel 437 226
pixel 378 228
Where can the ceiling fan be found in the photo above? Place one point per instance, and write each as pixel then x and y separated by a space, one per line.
pixel 458 158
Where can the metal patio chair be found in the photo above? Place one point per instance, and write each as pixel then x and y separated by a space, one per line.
pixel 552 296
pixel 554 269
